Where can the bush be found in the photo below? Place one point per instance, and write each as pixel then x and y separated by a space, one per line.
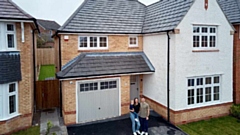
pixel 235 111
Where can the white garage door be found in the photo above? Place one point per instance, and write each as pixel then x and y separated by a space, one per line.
pixel 98 100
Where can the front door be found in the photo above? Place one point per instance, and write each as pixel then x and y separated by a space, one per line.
pixel 134 87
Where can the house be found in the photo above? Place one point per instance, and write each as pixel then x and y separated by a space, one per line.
pixel 17 36
pixel 47 29
pixel 232 10
pixel 173 53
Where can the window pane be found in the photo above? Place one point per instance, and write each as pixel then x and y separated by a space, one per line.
pixel 204 41
pixel 82 87
pixel 195 41
pixel 204 30
pixel 93 41
pixel 12 87
pixel 212 41
pixel 12 104
pixel 10 27
pixel 86 87
pixel 212 30
pixel 103 42
pixel 83 41
pixel 208 94
pixel 208 80
pixel 195 29
pixel 216 93
pixel 95 86
pixel 10 40
pixel 216 79
pixel 190 96
pixel 200 81
pixel 133 40
pixel 200 95
pixel 190 82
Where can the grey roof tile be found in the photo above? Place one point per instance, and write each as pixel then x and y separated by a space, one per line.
pixel 10 67
pixel 100 64
pixel 48 24
pixel 231 8
pixel 9 9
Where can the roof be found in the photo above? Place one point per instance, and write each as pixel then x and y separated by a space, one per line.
pixel 9 9
pixel 103 64
pixel 231 9
pixel 48 24
pixel 10 67
pixel 126 16
pixel 165 15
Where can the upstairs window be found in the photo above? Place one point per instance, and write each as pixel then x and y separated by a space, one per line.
pixel 8 36
pixel 92 42
pixel 204 37
pixel 133 41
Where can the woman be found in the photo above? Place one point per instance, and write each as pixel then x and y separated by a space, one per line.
pixel 134 119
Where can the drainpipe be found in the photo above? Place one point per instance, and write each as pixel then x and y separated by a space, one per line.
pixel 168 78
pixel 60 68
pixel 34 69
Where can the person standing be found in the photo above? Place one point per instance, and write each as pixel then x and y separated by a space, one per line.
pixel 134 117
pixel 144 116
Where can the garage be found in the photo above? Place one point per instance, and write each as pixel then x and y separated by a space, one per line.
pixel 97 99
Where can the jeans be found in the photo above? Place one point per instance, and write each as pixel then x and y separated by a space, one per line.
pixel 134 123
pixel 144 124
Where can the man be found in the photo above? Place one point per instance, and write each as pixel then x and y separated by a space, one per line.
pixel 144 116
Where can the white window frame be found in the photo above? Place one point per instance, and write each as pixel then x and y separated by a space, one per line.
pixel 88 43
pixel 129 41
pixel 208 34
pixel 4 101
pixel 3 36
pixel 14 36
pixel 195 87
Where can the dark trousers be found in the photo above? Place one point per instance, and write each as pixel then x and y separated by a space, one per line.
pixel 144 124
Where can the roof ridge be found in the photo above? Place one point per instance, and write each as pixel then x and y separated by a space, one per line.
pixel 20 9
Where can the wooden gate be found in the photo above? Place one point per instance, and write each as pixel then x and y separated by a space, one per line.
pixel 47 94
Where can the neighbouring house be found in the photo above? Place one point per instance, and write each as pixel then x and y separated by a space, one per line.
pixel 173 53
pixel 47 29
pixel 17 39
pixel 232 10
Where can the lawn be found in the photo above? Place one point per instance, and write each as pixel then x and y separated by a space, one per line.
pixel 46 71
pixel 30 131
pixel 218 126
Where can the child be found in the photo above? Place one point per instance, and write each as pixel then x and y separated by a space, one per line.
pixel 132 108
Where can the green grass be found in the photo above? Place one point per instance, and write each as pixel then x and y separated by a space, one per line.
pixel 218 126
pixel 46 71
pixel 30 131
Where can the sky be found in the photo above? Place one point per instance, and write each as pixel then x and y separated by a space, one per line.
pixel 57 10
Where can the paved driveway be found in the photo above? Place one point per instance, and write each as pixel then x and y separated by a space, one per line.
pixel 122 126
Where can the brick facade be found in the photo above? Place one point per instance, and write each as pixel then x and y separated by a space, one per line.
pixel 190 115
pixel 236 66
pixel 25 86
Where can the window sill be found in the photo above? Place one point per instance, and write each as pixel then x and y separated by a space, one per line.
pixel 133 47
pixel 95 50
pixel 10 117
pixel 214 50
pixel 9 50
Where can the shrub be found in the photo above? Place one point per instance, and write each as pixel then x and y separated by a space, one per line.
pixel 235 111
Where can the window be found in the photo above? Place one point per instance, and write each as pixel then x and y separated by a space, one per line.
pixel 7 36
pixel 133 41
pixel 8 100
pixel 204 36
pixel 100 85
pixel 88 87
pixel 108 85
pixel 203 90
pixel 94 42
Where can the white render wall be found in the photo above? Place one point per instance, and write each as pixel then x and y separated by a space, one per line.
pixel 185 63
pixel 155 85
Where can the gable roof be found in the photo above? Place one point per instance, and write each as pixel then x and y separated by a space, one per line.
pixel 231 9
pixel 103 64
pixel 48 24
pixel 9 10
pixel 126 16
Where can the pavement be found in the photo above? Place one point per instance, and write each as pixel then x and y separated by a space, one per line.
pixel 52 115
pixel 122 126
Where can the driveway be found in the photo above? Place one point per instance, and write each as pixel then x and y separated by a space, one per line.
pixel 122 126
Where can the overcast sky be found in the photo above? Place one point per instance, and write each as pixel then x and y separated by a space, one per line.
pixel 58 10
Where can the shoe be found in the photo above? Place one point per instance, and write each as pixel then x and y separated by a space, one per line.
pixel 146 133
pixel 134 133
pixel 136 120
pixel 142 133
pixel 138 132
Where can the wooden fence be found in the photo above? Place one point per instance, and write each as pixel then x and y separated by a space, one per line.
pixel 45 56
pixel 47 94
